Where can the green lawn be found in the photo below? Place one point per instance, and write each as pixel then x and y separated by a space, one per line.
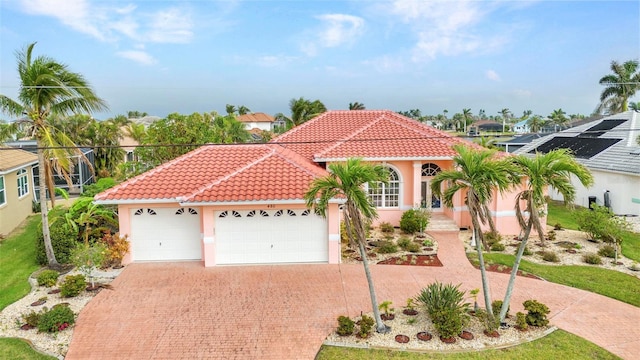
pixel 17 349
pixel 17 262
pixel 557 345
pixel 610 283
pixel 558 213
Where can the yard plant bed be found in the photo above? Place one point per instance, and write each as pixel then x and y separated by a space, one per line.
pixel 415 260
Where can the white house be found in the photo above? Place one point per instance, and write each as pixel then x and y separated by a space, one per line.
pixel 258 120
pixel 521 127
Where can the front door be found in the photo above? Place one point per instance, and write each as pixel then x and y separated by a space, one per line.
pixel 428 199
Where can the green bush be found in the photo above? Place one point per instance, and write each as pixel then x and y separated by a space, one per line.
pixel 536 313
pixel 427 242
pixel 607 251
pixel 366 325
pixel 601 224
pixel 387 247
pixel 48 278
pixel 346 326
pixel 591 258
pixel 497 247
pixel 63 240
pixel 32 318
pixel 550 256
pixel 445 306
pixel 492 238
pixel 496 306
pixel 386 227
pixel 73 285
pixel 404 242
pixel 57 319
pixel 98 187
pixel 448 322
pixel 521 321
pixel 525 252
pixel 414 220
pixel 413 247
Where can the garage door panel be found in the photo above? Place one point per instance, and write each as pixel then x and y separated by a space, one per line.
pixel 165 234
pixel 276 236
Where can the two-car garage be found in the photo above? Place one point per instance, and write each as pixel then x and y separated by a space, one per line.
pixel 258 236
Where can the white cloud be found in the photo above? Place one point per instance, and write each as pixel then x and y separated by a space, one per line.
pixel 386 64
pixel 492 75
pixel 522 93
pixel 335 30
pixel 76 14
pixel 274 60
pixel 137 56
pixel 170 26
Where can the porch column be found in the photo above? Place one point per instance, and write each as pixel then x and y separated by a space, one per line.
pixel 333 230
pixel 124 222
pixel 417 184
pixel 208 236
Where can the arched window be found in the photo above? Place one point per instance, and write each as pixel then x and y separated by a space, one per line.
pixel 387 195
pixel 430 169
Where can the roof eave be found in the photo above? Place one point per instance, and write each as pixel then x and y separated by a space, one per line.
pixel 392 158
pixel 18 167
pixel 252 202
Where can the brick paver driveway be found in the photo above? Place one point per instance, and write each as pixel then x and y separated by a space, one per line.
pixel 186 311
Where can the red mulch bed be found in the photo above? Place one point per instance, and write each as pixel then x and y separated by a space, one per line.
pixel 420 260
pixel 506 270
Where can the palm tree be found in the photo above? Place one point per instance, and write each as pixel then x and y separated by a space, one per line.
pixel 478 175
pixel 535 123
pixel 347 181
pixel 526 114
pixel 486 142
pixel 468 118
pixel 620 86
pixel 635 106
pixel 553 169
pixel 506 114
pixel 231 109
pixel 558 118
pixel 356 106
pixel 48 89
pixel 302 110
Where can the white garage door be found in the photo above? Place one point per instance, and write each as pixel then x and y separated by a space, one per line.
pixel 268 237
pixel 164 234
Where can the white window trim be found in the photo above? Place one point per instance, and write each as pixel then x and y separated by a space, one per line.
pixel 20 175
pixel 3 190
pixel 383 187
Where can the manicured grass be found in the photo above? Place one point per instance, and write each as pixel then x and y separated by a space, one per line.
pixel 610 283
pixel 558 213
pixel 17 349
pixel 17 262
pixel 557 345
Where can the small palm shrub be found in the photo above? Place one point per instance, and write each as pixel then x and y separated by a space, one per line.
pixel 591 258
pixel 387 247
pixel 346 326
pixel 48 278
pixel 536 313
pixel 73 285
pixel 445 306
pixel 57 319
pixel 366 325
pixel 414 220
pixel 607 251
pixel 427 242
pixel 386 227
pixel 550 256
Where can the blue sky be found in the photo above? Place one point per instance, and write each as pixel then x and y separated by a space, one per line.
pixel 196 56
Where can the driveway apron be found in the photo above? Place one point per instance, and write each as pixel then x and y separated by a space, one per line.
pixel 186 311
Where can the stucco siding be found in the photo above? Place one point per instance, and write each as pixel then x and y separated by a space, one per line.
pixel 15 209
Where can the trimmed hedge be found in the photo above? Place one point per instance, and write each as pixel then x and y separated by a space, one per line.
pixel 63 240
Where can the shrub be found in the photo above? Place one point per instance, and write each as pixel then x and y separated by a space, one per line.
pixel 492 237
pixel 491 323
pixel 550 256
pixel 73 285
pixel 117 248
pixel 414 220
pixel 63 240
pixel 497 247
pixel 87 257
pixel 57 319
pixel 366 325
pixel 48 278
pixel 521 321
pixel 387 247
pixel 557 226
pixel 526 251
pixel 403 242
pixel 386 227
pixel 413 247
pixel 427 242
pixel 32 318
pixel 551 235
pixel 591 258
pixel 536 313
pixel 448 322
pixel 346 326
pixel 496 306
pixel 607 251
pixel 98 187
pixel 445 306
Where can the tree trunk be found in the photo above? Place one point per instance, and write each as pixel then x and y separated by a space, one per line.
pixel 483 272
pixel 514 272
pixel 48 248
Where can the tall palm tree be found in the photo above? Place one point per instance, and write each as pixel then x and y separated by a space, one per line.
pixel 302 110
pixel 553 169
pixel 468 118
pixel 620 86
pixel 506 114
pixel 535 123
pixel 526 114
pixel 558 118
pixel 48 88
pixel 347 181
pixel 478 175
pixel 356 106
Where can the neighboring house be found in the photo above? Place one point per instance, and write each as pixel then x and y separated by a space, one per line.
pixel 243 204
pixel 16 188
pixel 258 120
pixel 128 144
pixel 517 142
pixel 484 125
pixel 608 148
pixel 521 127
pixel 82 174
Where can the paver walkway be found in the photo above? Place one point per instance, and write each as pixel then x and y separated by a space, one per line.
pixel 186 311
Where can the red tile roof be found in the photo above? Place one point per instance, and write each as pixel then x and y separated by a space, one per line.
pixel 223 173
pixel 256 117
pixel 370 134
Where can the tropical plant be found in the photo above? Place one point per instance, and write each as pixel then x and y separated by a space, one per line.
pixel 414 220
pixel 488 142
pixel 73 285
pixel 57 319
pixel 386 308
pixel 89 219
pixel 87 257
pixel 506 115
pixel 558 118
pixel 600 224
pixel 347 181
pixel 446 307
pixel 553 169
pixel 48 278
pixel 302 110
pixel 48 89
pixel 117 248
pixel 468 118
pixel 356 106
pixel 535 123
pixel 536 313
pixel 346 326
pixel 620 86
pixel 478 174
pixel 63 240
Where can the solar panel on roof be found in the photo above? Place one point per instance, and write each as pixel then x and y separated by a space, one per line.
pixel 601 128
pixel 581 147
